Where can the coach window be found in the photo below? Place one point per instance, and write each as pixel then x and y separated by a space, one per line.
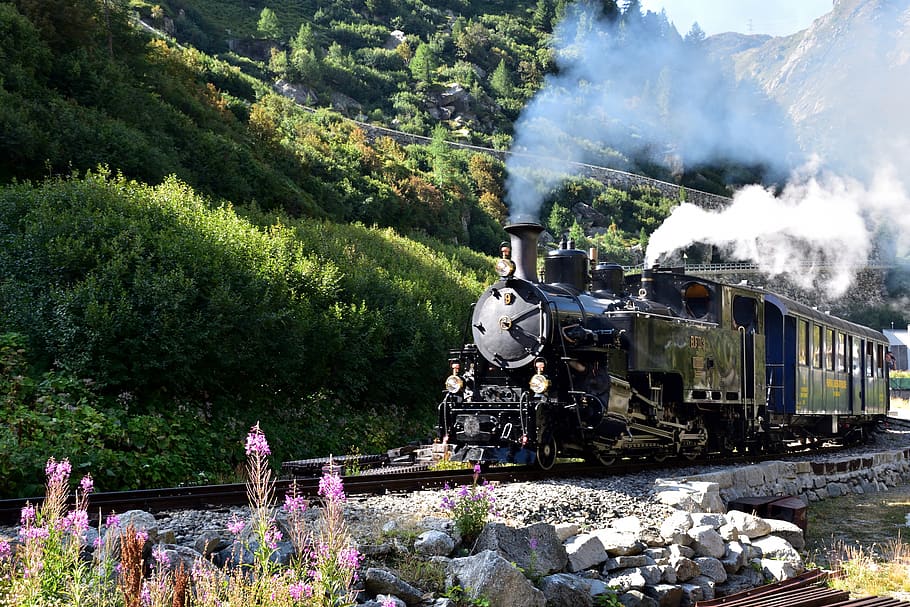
pixel 880 360
pixel 830 349
pixel 817 346
pixel 856 354
pixel 870 359
pixel 802 343
pixel 842 352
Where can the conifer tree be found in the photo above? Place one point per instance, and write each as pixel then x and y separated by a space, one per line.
pixel 268 25
pixel 501 80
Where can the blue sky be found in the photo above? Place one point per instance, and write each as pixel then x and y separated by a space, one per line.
pixel 774 17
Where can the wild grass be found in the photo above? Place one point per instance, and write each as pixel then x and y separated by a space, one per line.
pixel 872 571
pixel 45 565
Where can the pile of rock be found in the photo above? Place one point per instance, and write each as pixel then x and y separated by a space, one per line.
pixel 691 557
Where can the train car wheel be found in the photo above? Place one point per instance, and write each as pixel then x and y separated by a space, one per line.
pixel 604 460
pixel 546 453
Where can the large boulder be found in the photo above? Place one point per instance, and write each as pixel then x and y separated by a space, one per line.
pixel 584 551
pixel 773 547
pixel 489 576
pixel 434 543
pixel 536 548
pixel 748 524
pixel 379 581
pixel 707 541
pixel 565 590
pixel 789 531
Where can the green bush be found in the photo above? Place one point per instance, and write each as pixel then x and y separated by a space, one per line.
pixel 312 327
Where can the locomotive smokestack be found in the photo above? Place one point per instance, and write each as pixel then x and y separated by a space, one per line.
pixel 524 249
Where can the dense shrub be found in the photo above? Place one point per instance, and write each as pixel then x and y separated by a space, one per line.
pixel 150 292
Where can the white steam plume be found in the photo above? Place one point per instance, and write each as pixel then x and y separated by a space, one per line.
pixel 844 82
pixel 634 92
pixel 819 223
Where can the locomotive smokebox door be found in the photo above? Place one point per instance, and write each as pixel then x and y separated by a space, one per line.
pixel 509 324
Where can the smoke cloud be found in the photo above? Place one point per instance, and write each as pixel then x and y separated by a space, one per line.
pixel 630 91
pixel 844 84
pixel 820 224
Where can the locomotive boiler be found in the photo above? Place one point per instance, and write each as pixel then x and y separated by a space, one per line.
pixel 590 363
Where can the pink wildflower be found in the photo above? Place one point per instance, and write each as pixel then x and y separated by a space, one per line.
pixel 28 515
pixel 5 550
pixel 235 525
pixel 58 472
pixel 159 553
pixel 300 590
pixel 272 537
pixel 77 521
pixel 256 443
pixel 349 558
pixel 87 484
pixel 294 504
pixel 331 488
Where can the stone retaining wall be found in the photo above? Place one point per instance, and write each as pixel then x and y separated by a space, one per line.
pixel 812 481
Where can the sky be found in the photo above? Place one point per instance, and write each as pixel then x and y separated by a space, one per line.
pixel 773 17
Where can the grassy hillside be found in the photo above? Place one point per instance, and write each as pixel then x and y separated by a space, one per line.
pixel 180 243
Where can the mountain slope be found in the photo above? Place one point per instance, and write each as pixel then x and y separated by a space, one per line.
pixel 843 82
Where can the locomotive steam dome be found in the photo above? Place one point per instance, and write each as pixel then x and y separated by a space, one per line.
pixel 509 325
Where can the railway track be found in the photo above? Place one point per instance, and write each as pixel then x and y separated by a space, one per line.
pixel 378 475
pixel 806 590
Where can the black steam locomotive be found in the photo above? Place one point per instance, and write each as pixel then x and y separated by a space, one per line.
pixel 590 363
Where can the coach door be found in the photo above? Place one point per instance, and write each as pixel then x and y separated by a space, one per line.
pixel 855 368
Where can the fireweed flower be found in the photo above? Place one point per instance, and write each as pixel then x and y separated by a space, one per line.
pixel 294 504
pixel 331 488
pixel 142 536
pixel 112 520
pixel 76 521
pixel 349 558
pixel 256 443
pixel 28 515
pixel 470 506
pixel 272 537
pixel 235 525
pixel 5 550
pixel 87 484
pixel 159 553
pixel 34 533
pixel 300 590
pixel 58 472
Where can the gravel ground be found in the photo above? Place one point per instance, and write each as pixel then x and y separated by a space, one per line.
pixel 589 503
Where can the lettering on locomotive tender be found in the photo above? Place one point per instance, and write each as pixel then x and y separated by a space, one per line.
pixel 696 342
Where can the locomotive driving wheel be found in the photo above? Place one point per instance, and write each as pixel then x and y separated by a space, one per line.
pixel 546 453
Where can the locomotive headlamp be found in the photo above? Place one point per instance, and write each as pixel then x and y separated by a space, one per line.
pixel 505 267
pixel 454 384
pixel 539 382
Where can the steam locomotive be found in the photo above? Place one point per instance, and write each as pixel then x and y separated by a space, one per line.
pixel 590 363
